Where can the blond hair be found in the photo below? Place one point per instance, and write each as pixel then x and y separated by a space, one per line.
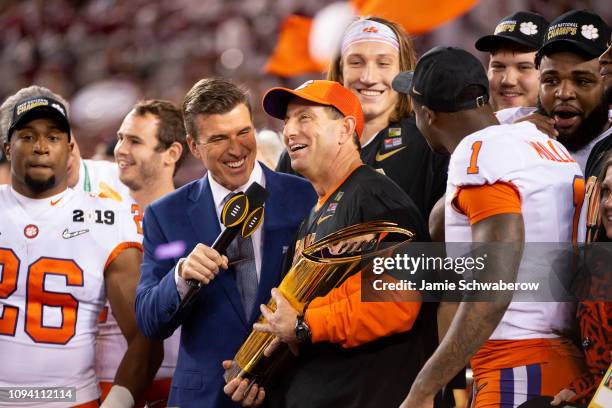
pixel 407 62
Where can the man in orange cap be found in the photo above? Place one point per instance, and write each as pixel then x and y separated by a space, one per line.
pixel 345 344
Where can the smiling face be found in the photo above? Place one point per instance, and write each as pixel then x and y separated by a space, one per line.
pixel 368 68
pixel 311 134
pixel 570 90
pixel 39 153
pixel 136 153
pixel 225 143
pixel 513 79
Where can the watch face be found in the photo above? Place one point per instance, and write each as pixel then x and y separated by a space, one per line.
pixel 302 332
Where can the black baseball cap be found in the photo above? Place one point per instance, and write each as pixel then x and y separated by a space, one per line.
pixel 39 107
pixel 439 78
pixel 579 30
pixel 523 28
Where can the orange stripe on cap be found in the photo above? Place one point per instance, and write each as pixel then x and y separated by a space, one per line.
pixel 120 248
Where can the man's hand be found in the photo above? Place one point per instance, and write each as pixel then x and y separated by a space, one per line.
pixel 563 395
pixel 281 323
pixel 353 244
pixel 543 123
pixel 202 264
pixel 238 390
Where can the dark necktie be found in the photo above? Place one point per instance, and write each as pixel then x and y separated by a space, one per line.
pixel 241 255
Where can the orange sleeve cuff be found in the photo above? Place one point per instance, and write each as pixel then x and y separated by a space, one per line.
pixel 120 248
pixel 484 201
pixel 341 317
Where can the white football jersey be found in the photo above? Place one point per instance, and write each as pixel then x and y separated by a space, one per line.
pixel 551 188
pixel 510 115
pixel 103 177
pixel 53 254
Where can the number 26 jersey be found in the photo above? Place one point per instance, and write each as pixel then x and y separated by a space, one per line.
pixel 53 255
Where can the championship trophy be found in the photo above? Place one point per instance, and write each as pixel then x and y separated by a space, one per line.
pixel 322 266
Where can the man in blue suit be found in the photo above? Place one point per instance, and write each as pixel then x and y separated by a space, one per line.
pixel 214 324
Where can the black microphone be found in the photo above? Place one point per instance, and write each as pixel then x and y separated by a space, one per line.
pixel 243 213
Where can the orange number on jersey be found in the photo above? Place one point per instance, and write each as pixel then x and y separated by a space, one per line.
pixel 473 169
pixel 137 217
pixel 9 265
pixel 578 187
pixel 38 297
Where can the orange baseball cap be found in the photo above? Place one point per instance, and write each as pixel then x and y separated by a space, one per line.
pixel 329 93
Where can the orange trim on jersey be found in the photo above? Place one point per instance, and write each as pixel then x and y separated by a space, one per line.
pixel 341 317
pixel 120 248
pixel 90 404
pixel 487 200
pixel 323 199
pixel 107 191
pixel 497 354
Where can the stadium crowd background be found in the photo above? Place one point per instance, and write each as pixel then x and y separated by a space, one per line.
pixel 104 55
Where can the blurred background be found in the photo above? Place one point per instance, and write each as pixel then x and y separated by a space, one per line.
pixel 104 55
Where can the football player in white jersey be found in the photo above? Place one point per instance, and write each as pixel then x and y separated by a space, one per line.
pixel 61 253
pixel 502 180
pixel 151 145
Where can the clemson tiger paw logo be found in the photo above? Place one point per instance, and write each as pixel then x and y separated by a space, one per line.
pixel 528 28
pixel 589 32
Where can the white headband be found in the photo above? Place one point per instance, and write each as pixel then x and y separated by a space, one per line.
pixel 364 30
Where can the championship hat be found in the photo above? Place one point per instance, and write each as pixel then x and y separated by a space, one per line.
pixel 523 28
pixel 576 30
pixel 39 107
pixel 328 93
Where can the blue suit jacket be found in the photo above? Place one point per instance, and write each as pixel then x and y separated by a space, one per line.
pixel 214 324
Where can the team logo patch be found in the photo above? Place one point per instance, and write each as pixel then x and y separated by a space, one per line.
pixel 395 132
pixel 30 231
pixel 392 142
pixel 528 28
pixel 589 32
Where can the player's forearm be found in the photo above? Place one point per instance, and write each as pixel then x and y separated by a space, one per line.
pixel 471 327
pixel 139 365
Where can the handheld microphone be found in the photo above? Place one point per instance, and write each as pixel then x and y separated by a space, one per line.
pixel 242 213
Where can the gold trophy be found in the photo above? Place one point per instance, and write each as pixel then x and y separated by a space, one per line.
pixel 320 267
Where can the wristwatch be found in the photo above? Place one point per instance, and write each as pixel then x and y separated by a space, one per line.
pixel 302 331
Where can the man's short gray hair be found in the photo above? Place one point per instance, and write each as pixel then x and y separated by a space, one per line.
pixel 6 110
